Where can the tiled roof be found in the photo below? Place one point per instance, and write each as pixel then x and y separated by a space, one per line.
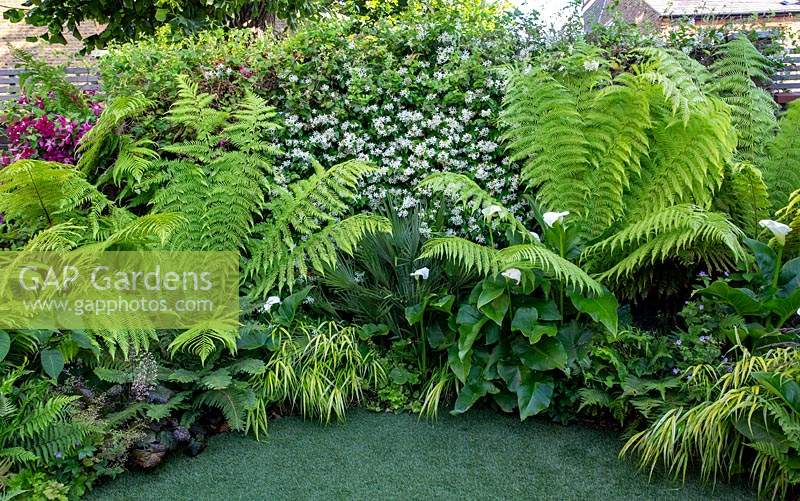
pixel 723 7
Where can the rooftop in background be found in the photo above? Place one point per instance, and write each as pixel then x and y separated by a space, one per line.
pixel 723 7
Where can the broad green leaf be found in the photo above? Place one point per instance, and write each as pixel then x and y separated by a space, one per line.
pixel 444 303
pixel 784 306
pixel 602 309
pixel 288 307
pixel 533 394
pixel 475 389
pixel 740 300
pixel 548 310
pixel 545 355
pixel 524 319
pixel 783 387
pixel 497 308
pixel 85 341
pixel 492 289
pixel 415 313
pixel 540 331
pixel 507 401
pixel 459 366
pixel 5 344
pixel 467 335
pixel 765 258
pixel 52 362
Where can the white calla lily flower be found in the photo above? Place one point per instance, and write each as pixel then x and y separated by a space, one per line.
pixel 536 238
pixel 491 210
pixel 271 301
pixel 780 230
pixel 513 274
pixel 551 218
pixel 421 273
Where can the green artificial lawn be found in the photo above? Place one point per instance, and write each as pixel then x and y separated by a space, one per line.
pixel 480 455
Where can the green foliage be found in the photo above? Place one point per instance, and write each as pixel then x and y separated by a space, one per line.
pixel 750 415
pixel 48 83
pixel 306 231
pixel 782 154
pixel 759 303
pixel 635 159
pixel 485 260
pixel 220 189
pixel 319 369
pixel 122 21
pixel 738 66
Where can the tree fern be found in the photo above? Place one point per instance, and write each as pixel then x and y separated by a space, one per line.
pixel 547 132
pixel 218 176
pixel 681 230
pixel 781 164
pixel 738 65
pixel 305 231
pixel 107 139
pixel 652 139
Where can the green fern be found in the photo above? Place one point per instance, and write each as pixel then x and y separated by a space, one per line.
pixel 679 230
pixel 305 231
pixel 737 68
pixel 652 139
pixel 780 164
pixel 221 189
pixel 473 257
pixel 107 139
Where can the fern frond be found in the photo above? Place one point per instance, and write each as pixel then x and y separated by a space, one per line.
pixel 467 191
pixel 738 64
pixel 744 197
pixel 193 110
pixel 304 228
pixel 201 340
pixel 547 132
pixel 234 402
pixel 666 234
pixel 780 164
pixel 539 257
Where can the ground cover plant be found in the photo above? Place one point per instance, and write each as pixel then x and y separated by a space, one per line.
pixel 437 208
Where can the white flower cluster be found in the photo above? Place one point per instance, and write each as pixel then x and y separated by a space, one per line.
pixel 428 119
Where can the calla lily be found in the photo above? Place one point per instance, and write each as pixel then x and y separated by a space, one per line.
pixel 536 238
pixel 271 301
pixel 513 274
pixel 491 210
pixel 421 273
pixel 551 218
pixel 780 230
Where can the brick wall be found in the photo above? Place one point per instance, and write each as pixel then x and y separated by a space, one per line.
pixel 14 34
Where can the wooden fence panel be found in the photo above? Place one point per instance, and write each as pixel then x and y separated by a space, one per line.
pixel 83 78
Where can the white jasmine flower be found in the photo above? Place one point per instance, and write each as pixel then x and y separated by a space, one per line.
pixel 421 273
pixel 271 301
pixel 551 218
pixel 780 230
pixel 591 65
pixel 513 274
